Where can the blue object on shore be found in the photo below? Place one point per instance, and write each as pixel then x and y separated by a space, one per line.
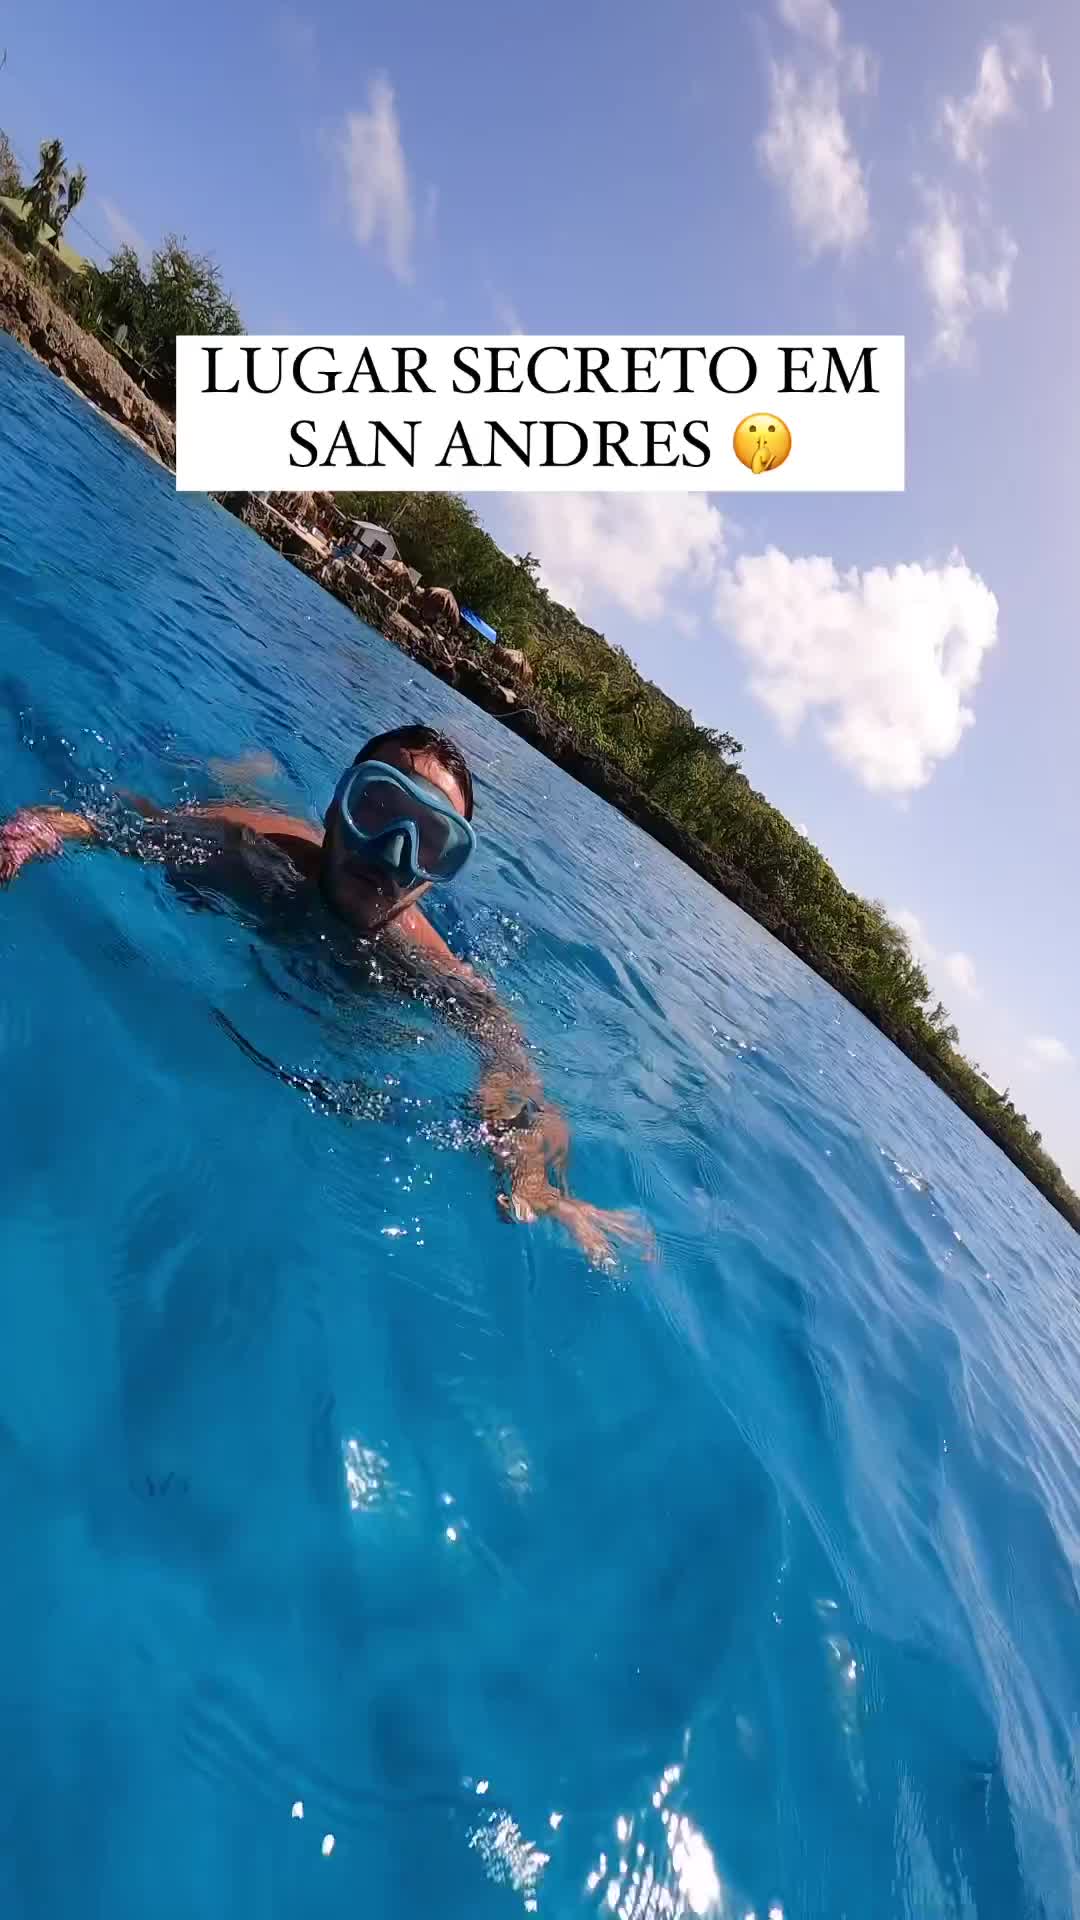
pixel 473 620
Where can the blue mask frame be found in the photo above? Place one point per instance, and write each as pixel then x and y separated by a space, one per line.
pixel 395 846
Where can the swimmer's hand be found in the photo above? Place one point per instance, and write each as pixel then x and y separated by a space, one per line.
pixel 38 833
pixel 531 1145
pixel 597 1230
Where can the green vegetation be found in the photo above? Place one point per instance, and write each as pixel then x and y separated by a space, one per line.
pixel 692 773
pixel 144 312
pixel 138 314
pixel 11 185
pixel 54 192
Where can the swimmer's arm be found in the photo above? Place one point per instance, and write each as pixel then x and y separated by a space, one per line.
pixel 248 771
pixel 530 1137
pixel 298 838
pixel 531 1143
pixel 272 822
pixel 39 833
pixel 510 1081
pixel 268 821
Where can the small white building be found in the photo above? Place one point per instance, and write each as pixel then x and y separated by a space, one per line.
pixel 376 541
pixel 379 544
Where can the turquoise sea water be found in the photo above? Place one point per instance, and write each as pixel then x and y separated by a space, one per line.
pixel 743 1581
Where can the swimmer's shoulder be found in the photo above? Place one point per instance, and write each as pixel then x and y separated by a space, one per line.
pixel 300 839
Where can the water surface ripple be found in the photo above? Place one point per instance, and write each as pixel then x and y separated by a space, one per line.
pixel 367 1556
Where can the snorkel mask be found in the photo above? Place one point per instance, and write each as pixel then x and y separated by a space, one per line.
pixel 403 824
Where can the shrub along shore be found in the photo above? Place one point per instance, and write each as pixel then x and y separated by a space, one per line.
pixel 559 685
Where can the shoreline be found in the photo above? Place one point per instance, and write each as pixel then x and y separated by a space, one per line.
pixel 33 318
pixel 39 324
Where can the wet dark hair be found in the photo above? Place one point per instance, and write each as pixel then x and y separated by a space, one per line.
pixel 433 745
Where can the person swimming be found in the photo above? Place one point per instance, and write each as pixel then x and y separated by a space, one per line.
pixel 399 823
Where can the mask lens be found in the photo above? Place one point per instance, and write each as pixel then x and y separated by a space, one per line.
pixel 434 835
pixel 382 805
pixel 455 852
pixel 375 804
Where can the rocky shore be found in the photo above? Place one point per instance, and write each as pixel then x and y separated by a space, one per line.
pixel 489 678
pixel 37 321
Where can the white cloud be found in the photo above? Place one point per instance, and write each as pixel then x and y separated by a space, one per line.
pixel 1005 69
pixel 968 121
pixel 958 968
pixel 122 231
pixel 1044 1050
pixel 966 271
pixel 862 70
pixel 807 152
pixel 806 148
pixel 910 924
pixel 376 178
pixel 965 262
pixel 885 660
pixel 817 19
pixel 624 549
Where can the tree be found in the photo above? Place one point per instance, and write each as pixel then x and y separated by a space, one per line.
pixel 940 1024
pixel 186 295
pixel 121 292
pixel 182 293
pixel 11 187
pixel 67 203
pixel 47 187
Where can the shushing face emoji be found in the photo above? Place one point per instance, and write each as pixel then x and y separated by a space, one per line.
pixel 762 442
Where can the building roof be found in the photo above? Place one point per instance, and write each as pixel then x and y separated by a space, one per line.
pixel 20 210
pixel 368 526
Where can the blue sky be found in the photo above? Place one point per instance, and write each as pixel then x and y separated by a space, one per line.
pixel 903 670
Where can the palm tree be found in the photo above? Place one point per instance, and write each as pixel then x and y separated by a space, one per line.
pixel 76 191
pixel 47 187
